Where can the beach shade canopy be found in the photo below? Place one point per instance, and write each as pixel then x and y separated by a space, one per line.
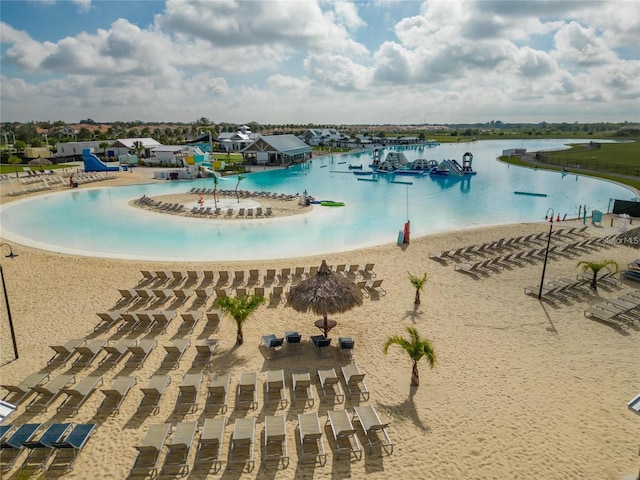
pixel 324 294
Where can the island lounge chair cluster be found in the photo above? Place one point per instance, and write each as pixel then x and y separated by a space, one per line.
pixel 621 312
pixel 559 290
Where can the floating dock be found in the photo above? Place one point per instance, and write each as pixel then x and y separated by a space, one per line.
pixel 531 194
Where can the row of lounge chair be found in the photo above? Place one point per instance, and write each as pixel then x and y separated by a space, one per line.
pixel 155 321
pixel 509 243
pixel 292 341
pixel 60 443
pixel 242 212
pixel 158 205
pixel 255 276
pixel 621 312
pixel 520 258
pixel 244 193
pixel 275 448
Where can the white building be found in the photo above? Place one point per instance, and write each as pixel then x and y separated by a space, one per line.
pixel 124 146
pixel 239 140
pixel 72 149
pixel 321 136
pixel 173 154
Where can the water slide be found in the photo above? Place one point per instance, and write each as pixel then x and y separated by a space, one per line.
pixel 453 167
pixel 211 172
pixel 94 164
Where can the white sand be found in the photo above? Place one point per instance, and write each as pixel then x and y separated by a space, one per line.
pixel 522 389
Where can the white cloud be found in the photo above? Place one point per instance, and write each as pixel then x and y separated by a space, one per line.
pixel 582 46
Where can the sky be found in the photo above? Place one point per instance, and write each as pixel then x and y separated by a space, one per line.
pixel 320 61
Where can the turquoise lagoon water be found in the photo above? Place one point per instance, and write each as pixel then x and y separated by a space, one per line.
pixel 99 221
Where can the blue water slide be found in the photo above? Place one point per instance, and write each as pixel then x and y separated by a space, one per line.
pixel 94 164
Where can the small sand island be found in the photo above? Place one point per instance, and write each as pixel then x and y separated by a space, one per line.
pixel 225 204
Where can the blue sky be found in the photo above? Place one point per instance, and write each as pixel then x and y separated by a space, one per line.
pixel 317 61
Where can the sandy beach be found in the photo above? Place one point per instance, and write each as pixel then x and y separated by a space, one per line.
pixel 522 389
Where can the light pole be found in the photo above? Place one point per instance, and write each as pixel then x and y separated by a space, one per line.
pixel 546 253
pixel 6 301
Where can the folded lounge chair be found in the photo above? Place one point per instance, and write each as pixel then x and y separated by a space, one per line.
pixel 20 392
pixel 64 352
pixel 275 440
pixel 344 434
pixel 188 396
pixel 11 447
pixel 40 450
pixel 149 450
pixel 301 386
pixel 68 450
pixel 153 393
pixel 330 384
pixel 78 394
pixel 373 426
pixel 217 392
pixel 210 445
pixel 275 388
pixel 354 380
pixel 115 395
pixel 88 352
pixel 140 352
pixel 48 393
pixel 311 444
pixel 177 460
pixel 242 442
pixel 247 390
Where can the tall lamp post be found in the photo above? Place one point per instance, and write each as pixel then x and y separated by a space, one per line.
pixel 6 301
pixel 546 253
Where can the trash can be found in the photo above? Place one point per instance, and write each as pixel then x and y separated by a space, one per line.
pixel 75 184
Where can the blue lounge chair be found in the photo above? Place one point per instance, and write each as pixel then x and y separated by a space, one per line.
pixel 68 450
pixel 41 450
pixel 321 343
pixel 12 447
pixel 346 345
pixel 293 340
pixel 273 343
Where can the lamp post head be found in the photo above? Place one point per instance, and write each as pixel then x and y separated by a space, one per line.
pixel 11 254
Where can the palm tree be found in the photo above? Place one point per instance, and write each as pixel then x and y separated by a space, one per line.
pixel 240 178
pixel 14 160
pixel 417 348
pixel 215 190
pixel 595 268
pixel 138 148
pixel 418 284
pixel 240 308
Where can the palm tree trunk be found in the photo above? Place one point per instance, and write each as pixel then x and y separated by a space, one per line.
pixel 415 378
pixel 417 300
pixel 239 337
pixel 594 282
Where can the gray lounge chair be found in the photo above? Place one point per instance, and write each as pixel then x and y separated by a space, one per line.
pixel 162 320
pixel 354 380
pixel 65 352
pixel 175 351
pixel 78 394
pixel 18 393
pixel 247 390
pixel 115 395
pixel 140 352
pixel 188 396
pixel 153 394
pixel 210 445
pixel 107 320
pixel 12 446
pixel 373 426
pixel 88 352
pixel 275 388
pixel 177 460
pixel 242 442
pixel 149 450
pixel 217 392
pixel 275 440
pixel 67 451
pixel 301 387
pixel 48 393
pixel 117 352
pixel 344 434
pixel 330 384
pixel 311 443
pixel 190 319
pixel 40 450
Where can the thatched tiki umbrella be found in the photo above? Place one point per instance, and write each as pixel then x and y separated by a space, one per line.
pixel 325 293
